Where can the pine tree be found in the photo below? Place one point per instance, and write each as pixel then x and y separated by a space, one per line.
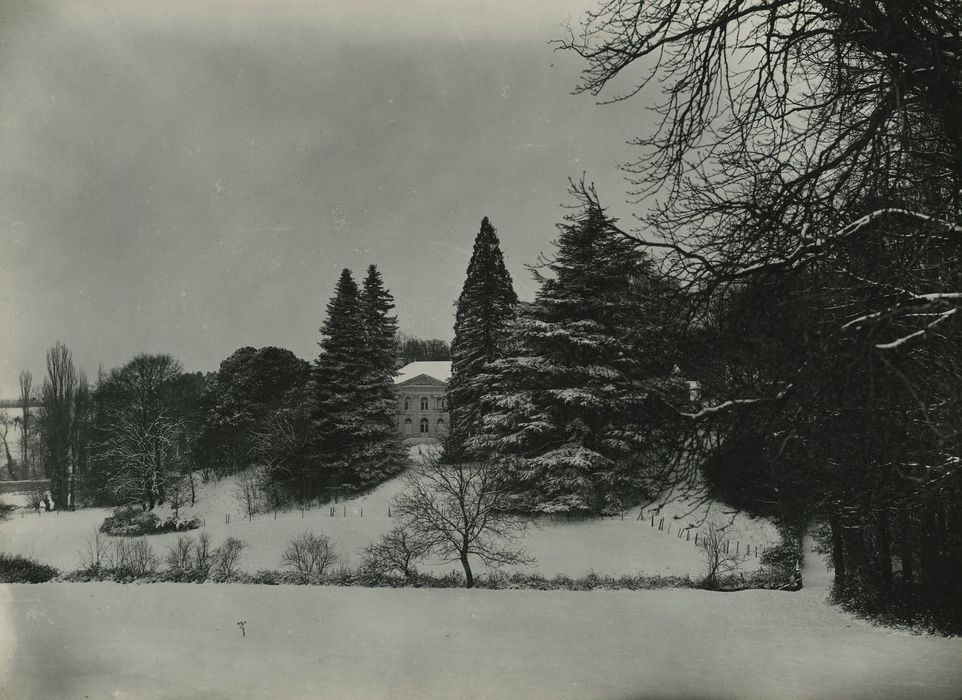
pixel 484 308
pixel 379 452
pixel 573 411
pixel 337 374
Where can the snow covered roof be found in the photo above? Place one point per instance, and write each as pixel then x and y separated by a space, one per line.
pixel 437 370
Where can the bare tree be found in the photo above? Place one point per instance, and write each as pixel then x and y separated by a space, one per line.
pixel 716 550
pixel 178 491
pixel 180 555
pixel 247 490
pixel 309 554
pixel 458 511
pixel 140 429
pixel 140 453
pixel 4 429
pixel 26 421
pixel 397 550
pixel 58 423
pixel 226 559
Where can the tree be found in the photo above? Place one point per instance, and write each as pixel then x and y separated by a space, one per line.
pixel 397 550
pixel 4 429
pixel 378 450
pixel 719 560
pixel 485 307
pixel 249 385
pixel 808 157
pixel 456 511
pixel 60 424
pixel 140 431
pixel 413 349
pixel 337 374
pixel 26 421
pixel 575 409
pixel 309 554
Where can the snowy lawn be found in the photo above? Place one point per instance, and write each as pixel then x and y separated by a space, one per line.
pixel 606 546
pixel 182 641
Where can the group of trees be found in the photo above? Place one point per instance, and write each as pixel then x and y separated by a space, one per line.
pixel 142 430
pixel 803 180
pixel 565 394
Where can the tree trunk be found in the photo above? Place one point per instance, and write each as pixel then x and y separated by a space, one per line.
pixel 838 548
pixel 193 492
pixel 884 539
pixel 905 549
pixel 468 576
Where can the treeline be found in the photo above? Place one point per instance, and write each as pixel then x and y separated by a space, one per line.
pixel 143 432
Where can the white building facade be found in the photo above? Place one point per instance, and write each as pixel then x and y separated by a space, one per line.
pixel 422 415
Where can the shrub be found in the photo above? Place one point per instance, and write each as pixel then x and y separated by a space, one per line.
pixel 180 555
pixel 128 522
pixel 97 553
pixel 309 554
pixel 226 559
pixel 133 558
pixel 396 551
pixel 15 568
pixel 5 510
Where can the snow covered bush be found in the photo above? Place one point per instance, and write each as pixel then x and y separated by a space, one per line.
pixel 309 554
pixel 128 522
pixel 15 568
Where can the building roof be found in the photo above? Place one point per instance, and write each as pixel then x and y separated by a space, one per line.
pixel 436 370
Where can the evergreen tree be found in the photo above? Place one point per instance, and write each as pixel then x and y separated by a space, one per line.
pixel 337 374
pixel 484 308
pixel 575 408
pixel 379 449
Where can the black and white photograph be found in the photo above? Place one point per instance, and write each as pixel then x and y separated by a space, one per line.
pixel 491 349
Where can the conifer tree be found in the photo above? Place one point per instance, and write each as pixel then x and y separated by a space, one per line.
pixel 574 408
pixel 337 374
pixel 484 308
pixel 379 452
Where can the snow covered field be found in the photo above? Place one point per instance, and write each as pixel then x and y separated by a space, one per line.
pixel 182 641
pixel 607 546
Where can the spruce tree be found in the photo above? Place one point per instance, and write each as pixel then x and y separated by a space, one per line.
pixel 337 375
pixel 573 409
pixel 379 452
pixel 484 308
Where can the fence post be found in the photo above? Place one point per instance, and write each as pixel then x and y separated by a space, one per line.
pixel 696 539
pixel 652 519
pixel 669 528
pixel 661 525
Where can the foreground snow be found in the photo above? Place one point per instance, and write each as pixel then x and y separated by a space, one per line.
pixel 182 641
pixel 612 546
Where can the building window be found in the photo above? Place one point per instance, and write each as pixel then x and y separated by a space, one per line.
pixel 424 426
pixel 441 426
pixel 424 403
pixel 440 403
pixel 408 426
pixel 407 403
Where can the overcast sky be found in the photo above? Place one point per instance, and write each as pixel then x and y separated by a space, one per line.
pixel 189 176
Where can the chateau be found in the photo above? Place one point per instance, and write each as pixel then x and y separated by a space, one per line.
pixel 421 413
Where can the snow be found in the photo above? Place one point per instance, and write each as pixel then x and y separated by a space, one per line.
pixel 182 640
pixel 438 370
pixel 572 547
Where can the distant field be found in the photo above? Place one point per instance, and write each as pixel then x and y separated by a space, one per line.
pixel 606 546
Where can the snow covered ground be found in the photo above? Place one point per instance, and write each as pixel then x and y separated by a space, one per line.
pixel 612 546
pixel 182 641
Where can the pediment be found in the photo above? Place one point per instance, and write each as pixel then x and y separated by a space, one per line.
pixel 422 380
